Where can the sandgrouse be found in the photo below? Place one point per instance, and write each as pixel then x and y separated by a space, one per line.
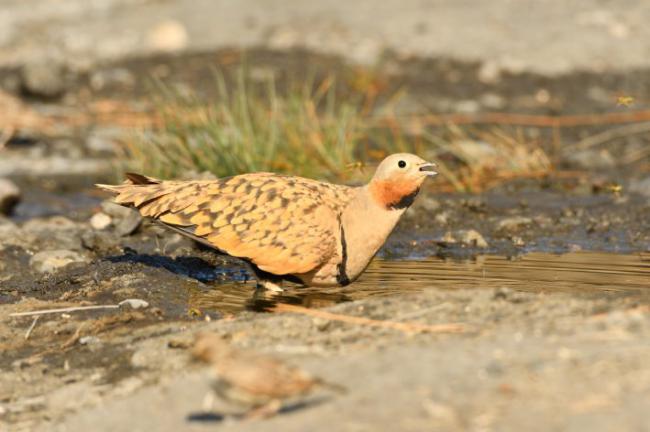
pixel 285 227
pixel 259 383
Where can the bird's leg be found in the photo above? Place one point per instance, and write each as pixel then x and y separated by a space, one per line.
pixel 269 285
pixel 269 409
pixel 266 280
pixel 208 401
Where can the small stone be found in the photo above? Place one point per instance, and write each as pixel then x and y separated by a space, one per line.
pixel 472 237
pixel 513 223
pixel 492 101
pixel 9 196
pixel 517 241
pixel 129 224
pixel 489 73
pixel 442 218
pixel 88 340
pixel 321 324
pixel 468 237
pixel 111 77
pixel 467 106
pixel 591 159
pixel 99 241
pixel 115 210
pixel 641 187
pixel 134 303
pixel 169 35
pixel 53 260
pixel 100 221
pixel 43 79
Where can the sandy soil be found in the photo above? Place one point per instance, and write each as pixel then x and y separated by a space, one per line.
pixel 530 361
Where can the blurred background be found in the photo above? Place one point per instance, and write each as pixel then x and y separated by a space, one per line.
pixel 497 91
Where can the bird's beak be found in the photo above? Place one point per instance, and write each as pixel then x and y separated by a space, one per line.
pixel 428 169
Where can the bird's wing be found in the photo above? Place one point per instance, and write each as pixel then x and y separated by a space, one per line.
pixel 283 224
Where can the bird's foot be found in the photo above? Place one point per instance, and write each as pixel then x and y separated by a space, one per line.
pixel 208 401
pixel 267 410
pixel 268 285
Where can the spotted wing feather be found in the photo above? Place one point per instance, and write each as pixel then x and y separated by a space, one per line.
pixel 284 225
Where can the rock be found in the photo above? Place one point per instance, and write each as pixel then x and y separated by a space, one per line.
pixel 52 233
pixel 442 218
pixel 513 223
pixel 467 237
pixel 99 241
pixel 492 101
pixel 489 72
pixel 127 220
pixel 467 106
pixel 112 77
pixel 134 303
pixel 43 79
pixel 100 221
pixel 9 196
pixel 115 210
pixel 129 224
pixel 168 36
pixel 641 187
pixel 591 159
pixel 471 237
pixel 517 241
pixel 51 261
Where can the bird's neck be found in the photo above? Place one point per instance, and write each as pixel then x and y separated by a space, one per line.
pixel 367 222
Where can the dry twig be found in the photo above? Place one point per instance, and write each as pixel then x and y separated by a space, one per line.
pixel 406 327
pixel 133 303
pixel 608 135
pixel 31 327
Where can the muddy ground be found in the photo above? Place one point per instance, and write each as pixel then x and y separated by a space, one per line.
pixel 531 357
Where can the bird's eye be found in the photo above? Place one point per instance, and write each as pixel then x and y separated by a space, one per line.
pixel 401 164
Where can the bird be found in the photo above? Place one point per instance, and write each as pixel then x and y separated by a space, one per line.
pixel 286 228
pixel 258 383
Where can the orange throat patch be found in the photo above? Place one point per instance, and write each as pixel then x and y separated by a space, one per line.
pixel 394 195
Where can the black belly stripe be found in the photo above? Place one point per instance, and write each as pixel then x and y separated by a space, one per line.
pixel 342 277
pixel 405 201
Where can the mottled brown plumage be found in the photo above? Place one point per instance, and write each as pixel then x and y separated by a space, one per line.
pixel 252 380
pixel 283 225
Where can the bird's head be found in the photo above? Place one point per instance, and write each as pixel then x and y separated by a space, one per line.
pixel 398 179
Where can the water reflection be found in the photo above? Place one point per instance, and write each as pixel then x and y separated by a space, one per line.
pixel 580 272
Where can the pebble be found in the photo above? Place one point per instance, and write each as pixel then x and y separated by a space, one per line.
pixel 45 79
pixel 134 303
pixel 9 196
pixel 115 210
pixel 169 35
pixel 641 187
pixel 591 159
pixel 129 224
pixel 513 223
pixel 100 221
pixel 53 260
pixel 128 220
pixel 112 77
pixel 469 237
